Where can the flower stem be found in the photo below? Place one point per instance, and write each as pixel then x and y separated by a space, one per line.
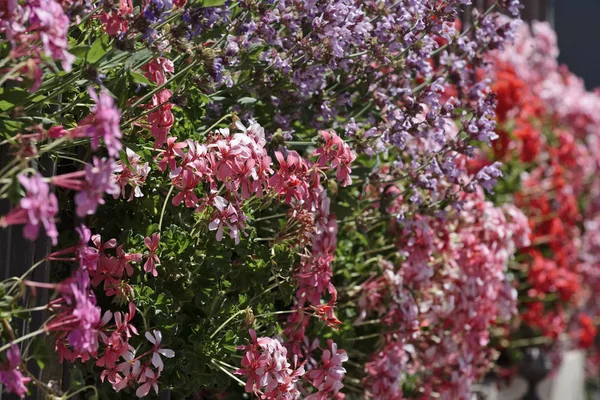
pixel 30 270
pixel 226 322
pixel 238 380
pixel 22 338
pixel 164 207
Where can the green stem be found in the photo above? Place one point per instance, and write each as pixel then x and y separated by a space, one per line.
pixel 515 344
pixel 385 248
pixel 270 217
pixel 235 378
pixel 83 389
pixel 226 322
pixel 210 128
pixel 22 338
pixel 164 207
pixel 30 270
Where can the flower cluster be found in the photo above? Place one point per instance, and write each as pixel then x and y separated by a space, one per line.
pixel 438 304
pixel 271 376
pixel 547 122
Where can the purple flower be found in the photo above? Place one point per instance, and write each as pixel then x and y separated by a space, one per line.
pixel 98 180
pixel 12 379
pixel 105 122
pixel 487 176
pixel 41 206
pixel 513 7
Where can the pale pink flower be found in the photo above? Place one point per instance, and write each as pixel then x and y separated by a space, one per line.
pixel 155 338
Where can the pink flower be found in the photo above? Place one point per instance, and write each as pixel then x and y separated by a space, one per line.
pixel 10 376
pixel 336 154
pixel 39 206
pixel 151 381
pixel 187 182
pixel 152 245
pixel 327 378
pixel 291 179
pixel 267 368
pixel 104 122
pixel 157 70
pixel 35 23
pixel 116 21
pixel 161 119
pixel 155 338
pixel 98 180
pixel 87 255
pixel 125 259
pixel 169 155
pixel 226 215
pixel 134 177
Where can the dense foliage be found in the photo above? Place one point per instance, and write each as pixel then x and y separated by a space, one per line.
pixel 289 198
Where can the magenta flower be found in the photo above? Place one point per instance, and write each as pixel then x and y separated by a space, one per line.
pixel 226 215
pixel 152 245
pixel 98 181
pixel 87 255
pixel 38 207
pixel 155 338
pixel 41 207
pixel 104 122
pixel 12 379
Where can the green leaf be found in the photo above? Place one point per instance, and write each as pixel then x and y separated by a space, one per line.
pixel 41 353
pixel 9 97
pixel 138 58
pixel 247 100
pixel 139 78
pixel 213 3
pixel 79 51
pixel 97 50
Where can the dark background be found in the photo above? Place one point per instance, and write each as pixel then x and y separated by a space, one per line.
pixel 577 23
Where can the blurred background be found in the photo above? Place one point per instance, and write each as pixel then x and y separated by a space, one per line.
pixel 576 23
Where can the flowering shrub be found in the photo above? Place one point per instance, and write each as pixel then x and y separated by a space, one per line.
pixel 548 128
pixel 283 198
